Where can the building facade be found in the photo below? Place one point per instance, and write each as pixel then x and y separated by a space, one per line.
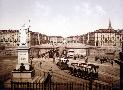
pixel 56 39
pixel 108 37
pixel 73 39
pixel 103 37
pixel 10 38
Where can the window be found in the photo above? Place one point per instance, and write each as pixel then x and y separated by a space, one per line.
pixel 96 43
pixel 1 40
pixel 103 36
pixel 113 38
pixel 114 44
pixel 108 37
pixel 10 40
pixel 105 40
pixel 6 40
pixel 110 41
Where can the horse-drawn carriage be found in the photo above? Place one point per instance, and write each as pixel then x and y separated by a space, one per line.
pixel 105 55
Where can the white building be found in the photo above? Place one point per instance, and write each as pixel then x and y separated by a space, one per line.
pixel 104 37
pixel 73 39
pixel 56 39
pixel 108 37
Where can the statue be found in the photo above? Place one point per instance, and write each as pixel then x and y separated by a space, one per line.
pixel 23 36
pixel 22 67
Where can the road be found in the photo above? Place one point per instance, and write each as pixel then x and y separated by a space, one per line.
pixel 58 75
pixel 107 72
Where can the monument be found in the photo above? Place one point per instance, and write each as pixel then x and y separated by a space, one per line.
pixel 24 71
pixel 23 49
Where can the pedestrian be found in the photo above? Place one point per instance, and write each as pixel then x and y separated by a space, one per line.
pixel 45 56
pixel 112 62
pixel 101 61
pixel 53 59
pixel 40 64
pixel 86 59
pixel 74 57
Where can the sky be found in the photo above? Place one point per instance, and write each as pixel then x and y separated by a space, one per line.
pixel 61 17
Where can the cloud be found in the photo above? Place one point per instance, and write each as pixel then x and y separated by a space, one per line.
pixel 58 25
pixel 77 8
pixel 87 8
pixel 61 19
pixel 86 4
pixel 84 8
pixel 99 10
pixel 42 9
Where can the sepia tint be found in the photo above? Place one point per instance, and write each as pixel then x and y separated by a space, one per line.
pixel 61 45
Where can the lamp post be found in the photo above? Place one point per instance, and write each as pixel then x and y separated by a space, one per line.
pixel 121 68
pixel 122 46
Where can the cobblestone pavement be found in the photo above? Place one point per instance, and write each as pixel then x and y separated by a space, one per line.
pixel 7 65
pixel 58 75
pixel 107 72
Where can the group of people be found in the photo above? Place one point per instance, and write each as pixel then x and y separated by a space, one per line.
pixel 104 59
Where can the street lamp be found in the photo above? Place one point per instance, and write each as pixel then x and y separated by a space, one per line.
pixel 122 46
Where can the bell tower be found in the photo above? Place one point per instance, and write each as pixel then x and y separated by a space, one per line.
pixel 110 27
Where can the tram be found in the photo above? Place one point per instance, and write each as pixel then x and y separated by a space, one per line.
pixel 81 70
pixel 62 63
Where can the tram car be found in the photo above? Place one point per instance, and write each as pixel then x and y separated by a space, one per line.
pixel 83 70
pixel 62 63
